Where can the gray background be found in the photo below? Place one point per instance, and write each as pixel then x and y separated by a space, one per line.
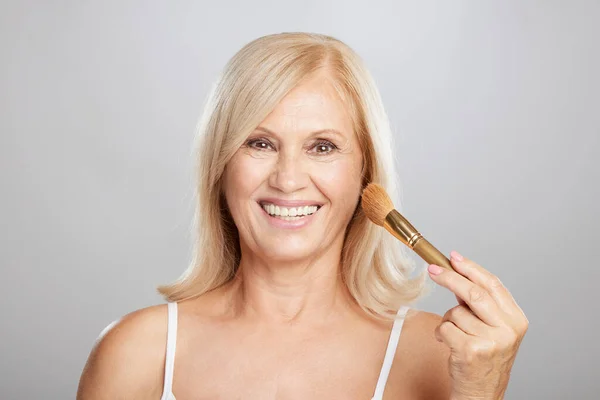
pixel 495 106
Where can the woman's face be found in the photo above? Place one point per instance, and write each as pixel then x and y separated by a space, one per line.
pixel 292 188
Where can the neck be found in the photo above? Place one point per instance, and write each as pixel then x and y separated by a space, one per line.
pixel 290 291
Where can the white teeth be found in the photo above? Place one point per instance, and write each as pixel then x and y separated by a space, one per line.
pixel 289 213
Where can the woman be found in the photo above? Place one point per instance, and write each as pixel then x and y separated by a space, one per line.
pixel 293 293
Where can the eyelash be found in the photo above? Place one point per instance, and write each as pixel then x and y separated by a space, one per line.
pixel 321 142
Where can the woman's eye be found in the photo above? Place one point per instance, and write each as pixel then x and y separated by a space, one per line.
pixel 324 147
pixel 259 144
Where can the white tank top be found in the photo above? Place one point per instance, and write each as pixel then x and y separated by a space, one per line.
pixel 381 382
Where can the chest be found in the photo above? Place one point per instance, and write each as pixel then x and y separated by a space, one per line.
pixel 262 364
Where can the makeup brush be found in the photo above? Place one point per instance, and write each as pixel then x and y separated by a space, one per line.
pixel 379 208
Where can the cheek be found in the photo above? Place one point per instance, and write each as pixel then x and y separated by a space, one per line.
pixel 243 176
pixel 341 182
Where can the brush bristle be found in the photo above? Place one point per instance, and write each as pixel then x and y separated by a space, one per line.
pixel 376 203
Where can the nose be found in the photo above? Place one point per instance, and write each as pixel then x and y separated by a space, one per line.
pixel 289 174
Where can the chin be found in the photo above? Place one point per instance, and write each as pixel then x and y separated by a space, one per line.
pixel 286 253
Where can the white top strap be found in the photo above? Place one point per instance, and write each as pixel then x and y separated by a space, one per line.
pixel 390 352
pixel 170 357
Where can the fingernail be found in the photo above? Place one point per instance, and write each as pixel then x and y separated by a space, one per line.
pixel 435 269
pixel 456 256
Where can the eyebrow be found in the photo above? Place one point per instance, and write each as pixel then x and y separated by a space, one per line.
pixel 319 132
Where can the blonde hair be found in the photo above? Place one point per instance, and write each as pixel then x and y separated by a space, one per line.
pixel 375 267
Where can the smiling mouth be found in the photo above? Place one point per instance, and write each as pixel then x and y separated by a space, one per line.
pixel 289 213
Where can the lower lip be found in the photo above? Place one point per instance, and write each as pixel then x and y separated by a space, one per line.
pixel 281 223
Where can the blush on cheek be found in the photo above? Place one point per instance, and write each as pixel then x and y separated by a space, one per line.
pixel 340 182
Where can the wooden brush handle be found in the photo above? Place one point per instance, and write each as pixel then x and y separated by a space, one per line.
pixel 430 254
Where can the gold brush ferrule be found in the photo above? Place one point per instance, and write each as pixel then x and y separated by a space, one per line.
pixel 398 226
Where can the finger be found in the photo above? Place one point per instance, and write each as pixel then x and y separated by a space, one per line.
pixel 461 302
pixel 476 297
pixel 482 277
pixel 466 321
pixel 451 335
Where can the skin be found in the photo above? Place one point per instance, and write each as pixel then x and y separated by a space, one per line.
pixel 286 327
pixel 484 331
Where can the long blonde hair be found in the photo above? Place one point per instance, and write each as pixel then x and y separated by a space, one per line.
pixel 375 267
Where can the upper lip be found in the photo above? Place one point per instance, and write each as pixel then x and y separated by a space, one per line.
pixel 289 203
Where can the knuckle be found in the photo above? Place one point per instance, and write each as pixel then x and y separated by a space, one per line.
pixel 445 327
pixel 521 331
pixel 471 353
pixel 495 282
pixel 448 315
pixel 458 312
pixel 521 325
pixel 464 310
pixel 476 294
pixel 452 313
pixel 525 324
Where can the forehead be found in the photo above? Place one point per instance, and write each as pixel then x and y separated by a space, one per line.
pixel 313 105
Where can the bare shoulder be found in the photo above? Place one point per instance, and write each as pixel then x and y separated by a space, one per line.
pixel 428 365
pixel 127 360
